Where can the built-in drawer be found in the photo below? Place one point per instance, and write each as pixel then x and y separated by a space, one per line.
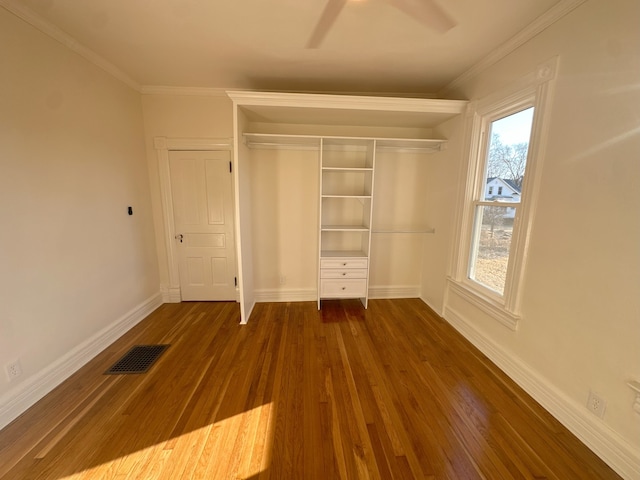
pixel 347 288
pixel 343 263
pixel 343 273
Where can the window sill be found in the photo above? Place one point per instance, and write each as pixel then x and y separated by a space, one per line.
pixel 488 305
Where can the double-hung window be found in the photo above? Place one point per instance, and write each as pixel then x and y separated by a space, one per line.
pixel 504 145
pixel 504 158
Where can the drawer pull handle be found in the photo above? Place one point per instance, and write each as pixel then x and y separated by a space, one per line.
pixel 344 264
pixel 344 273
pixel 344 288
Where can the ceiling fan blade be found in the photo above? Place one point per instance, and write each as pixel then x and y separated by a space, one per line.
pixel 329 16
pixel 427 12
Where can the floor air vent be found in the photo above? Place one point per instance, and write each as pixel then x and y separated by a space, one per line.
pixel 137 360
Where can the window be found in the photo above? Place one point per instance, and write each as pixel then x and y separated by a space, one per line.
pixel 505 141
pixel 505 159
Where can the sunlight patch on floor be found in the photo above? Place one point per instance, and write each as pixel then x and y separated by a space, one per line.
pixel 235 447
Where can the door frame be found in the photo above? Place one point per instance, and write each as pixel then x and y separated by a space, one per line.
pixel 163 145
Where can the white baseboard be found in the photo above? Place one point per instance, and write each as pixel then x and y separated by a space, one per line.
pixel 616 451
pixel 437 310
pixel 310 295
pixel 170 294
pixel 24 395
pixel 391 291
pixel 286 295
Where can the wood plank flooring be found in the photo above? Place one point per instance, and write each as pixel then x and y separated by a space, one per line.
pixel 392 392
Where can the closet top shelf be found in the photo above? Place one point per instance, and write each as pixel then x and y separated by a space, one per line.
pixel 346 110
pixel 313 142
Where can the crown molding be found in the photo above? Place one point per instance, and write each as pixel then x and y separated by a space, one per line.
pixel 541 23
pixel 184 91
pixel 26 14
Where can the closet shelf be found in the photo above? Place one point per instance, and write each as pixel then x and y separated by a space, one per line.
pixel 312 142
pixel 344 228
pixel 347 169
pixel 342 253
pixel 417 145
pixel 269 141
pixel 347 196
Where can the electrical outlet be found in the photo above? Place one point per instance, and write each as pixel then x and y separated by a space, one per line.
pixel 13 369
pixel 596 404
pixel 283 279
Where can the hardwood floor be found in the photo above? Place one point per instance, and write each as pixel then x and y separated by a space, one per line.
pixel 390 392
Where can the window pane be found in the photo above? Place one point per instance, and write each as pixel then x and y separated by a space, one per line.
pixel 507 156
pixel 491 244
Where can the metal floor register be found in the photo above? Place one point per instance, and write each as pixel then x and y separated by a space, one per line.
pixel 137 360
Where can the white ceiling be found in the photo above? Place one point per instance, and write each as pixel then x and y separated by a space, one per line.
pixel 260 44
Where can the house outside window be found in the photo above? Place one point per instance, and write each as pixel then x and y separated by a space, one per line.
pixel 505 142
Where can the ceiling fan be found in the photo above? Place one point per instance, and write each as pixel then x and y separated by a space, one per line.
pixel 427 12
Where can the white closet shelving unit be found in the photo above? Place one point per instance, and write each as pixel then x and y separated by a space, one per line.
pixel 346 207
pixel 346 132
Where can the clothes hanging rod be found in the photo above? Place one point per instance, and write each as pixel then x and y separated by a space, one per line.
pixel 430 230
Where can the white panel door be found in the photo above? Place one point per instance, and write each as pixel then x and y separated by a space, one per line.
pixel 201 187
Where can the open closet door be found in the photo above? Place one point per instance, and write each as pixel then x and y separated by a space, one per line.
pixel 242 180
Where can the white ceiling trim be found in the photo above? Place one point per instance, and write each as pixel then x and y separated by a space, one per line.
pixel 544 21
pixel 25 13
pixel 187 91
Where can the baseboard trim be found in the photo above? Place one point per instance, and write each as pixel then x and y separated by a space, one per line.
pixel 18 400
pixel 389 291
pixel 285 295
pixel 616 451
pixel 438 311
pixel 170 294
pixel 309 295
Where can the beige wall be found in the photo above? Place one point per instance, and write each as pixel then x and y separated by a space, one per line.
pixel 396 258
pixel 441 196
pixel 72 262
pixel 184 117
pixel 581 305
pixel 284 208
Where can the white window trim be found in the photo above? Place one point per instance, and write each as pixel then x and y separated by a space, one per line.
pixel 535 89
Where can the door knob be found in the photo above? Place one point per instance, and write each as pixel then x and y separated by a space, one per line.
pixel 179 237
